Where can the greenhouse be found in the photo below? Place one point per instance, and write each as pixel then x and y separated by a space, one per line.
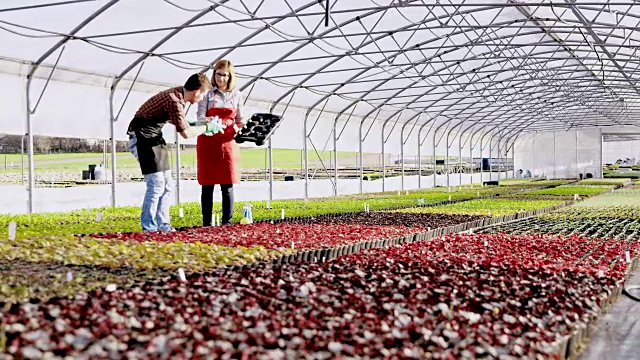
pixel 319 179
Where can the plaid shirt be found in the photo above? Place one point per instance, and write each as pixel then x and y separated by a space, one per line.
pixel 167 105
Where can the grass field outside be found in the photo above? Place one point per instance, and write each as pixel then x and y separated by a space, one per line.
pixel 250 159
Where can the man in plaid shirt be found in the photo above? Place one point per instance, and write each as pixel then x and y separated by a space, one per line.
pixel 149 147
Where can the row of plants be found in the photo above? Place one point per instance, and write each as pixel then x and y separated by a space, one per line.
pixel 571 190
pixel 458 296
pixel 596 181
pixel 189 214
pixel 598 228
pixel 486 207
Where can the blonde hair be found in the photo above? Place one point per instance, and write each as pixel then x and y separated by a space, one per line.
pixel 228 66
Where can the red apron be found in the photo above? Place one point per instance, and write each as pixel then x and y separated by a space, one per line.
pixel 219 155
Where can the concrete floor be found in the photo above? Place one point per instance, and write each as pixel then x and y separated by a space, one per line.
pixel 616 335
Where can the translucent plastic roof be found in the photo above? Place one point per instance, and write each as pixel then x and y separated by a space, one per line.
pixel 507 64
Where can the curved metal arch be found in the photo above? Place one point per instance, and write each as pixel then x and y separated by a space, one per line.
pixel 166 38
pixel 32 71
pixel 397 53
pixel 308 42
pixel 509 36
pixel 509 79
pixel 254 34
pixel 339 57
pixel 373 66
pixel 479 56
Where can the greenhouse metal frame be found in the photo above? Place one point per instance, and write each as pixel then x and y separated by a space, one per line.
pixel 483 74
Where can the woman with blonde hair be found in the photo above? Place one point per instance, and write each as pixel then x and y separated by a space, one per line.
pixel 218 154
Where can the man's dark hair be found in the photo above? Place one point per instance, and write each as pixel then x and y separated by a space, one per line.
pixel 197 81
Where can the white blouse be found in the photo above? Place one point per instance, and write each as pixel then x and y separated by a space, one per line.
pixel 219 99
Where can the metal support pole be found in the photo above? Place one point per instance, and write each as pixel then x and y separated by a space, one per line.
pixel 22 159
pixel 499 163
pixel 270 170
pixel 419 164
pixel 471 162
pixel 306 160
pixel 360 156
pixel 434 159
pixel 577 158
pixel 447 162
pixel 555 165
pixel 513 158
pixel 335 159
pixel 30 151
pixel 383 160
pixel 178 168
pixel 481 162
pixel 402 159
pixel 112 131
pixel 460 159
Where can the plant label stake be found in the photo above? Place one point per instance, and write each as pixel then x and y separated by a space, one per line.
pixel 282 214
pixel 477 193
pixel 627 256
pixel 489 213
pixel 486 243
pixel 406 192
pixel 181 212
pixel 600 273
pixel 575 197
pixel 182 275
pixel 293 245
pixel 69 276
pixel 99 216
pixel 12 230
pixel 324 258
pixel 268 204
pixel 449 197
pixel 398 192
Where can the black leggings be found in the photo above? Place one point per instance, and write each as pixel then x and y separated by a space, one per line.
pixel 206 199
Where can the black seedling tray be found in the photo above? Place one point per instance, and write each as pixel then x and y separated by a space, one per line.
pixel 259 129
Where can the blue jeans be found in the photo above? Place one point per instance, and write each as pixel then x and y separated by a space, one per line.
pixel 155 208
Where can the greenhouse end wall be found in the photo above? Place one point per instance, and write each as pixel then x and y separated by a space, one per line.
pixel 561 154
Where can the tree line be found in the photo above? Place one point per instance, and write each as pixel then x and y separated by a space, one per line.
pixel 12 144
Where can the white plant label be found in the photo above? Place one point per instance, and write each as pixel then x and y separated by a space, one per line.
pixel 486 243
pixel 489 213
pixel 406 192
pixel 268 204
pixel 627 256
pixel 12 230
pixel 99 216
pixel 293 245
pixel 324 258
pixel 600 273
pixel 282 214
pixel 181 212
pixel 478 193
pixel 398 192
pixel 182 275
pixel 449 197
pixel 69 276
